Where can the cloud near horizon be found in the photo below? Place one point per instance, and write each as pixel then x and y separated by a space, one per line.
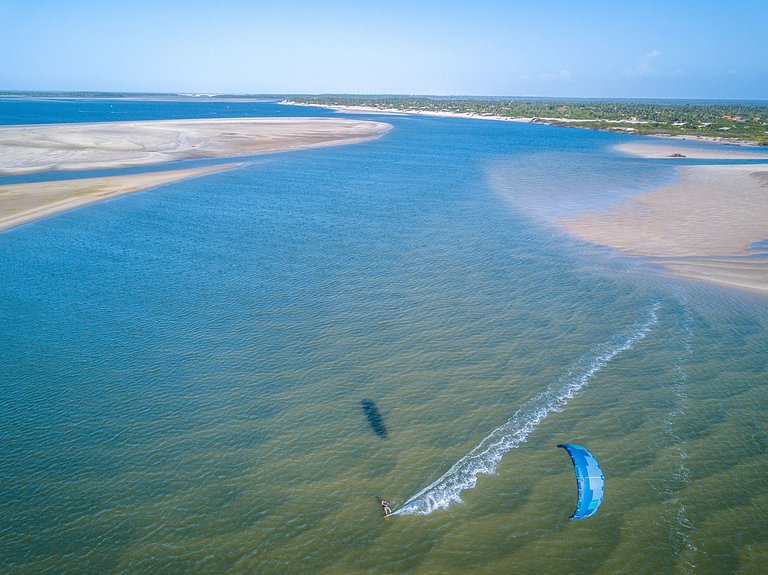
pixel 643 68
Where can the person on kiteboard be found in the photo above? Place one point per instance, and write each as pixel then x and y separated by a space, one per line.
pixel 387 508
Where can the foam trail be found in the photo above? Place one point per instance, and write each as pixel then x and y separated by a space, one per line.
pixel 484 458
pixel 681 525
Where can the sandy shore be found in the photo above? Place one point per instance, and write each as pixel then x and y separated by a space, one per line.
pixel 678 149
pixel 54 147
pixel 22 203
pixel 701 227
pixel 410 112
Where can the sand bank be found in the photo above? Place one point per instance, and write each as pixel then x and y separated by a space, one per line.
pixel 22 203
pixel 676 148
pixel 54 147
pixel 701 227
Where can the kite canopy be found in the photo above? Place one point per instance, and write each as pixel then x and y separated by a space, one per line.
pixel 589 478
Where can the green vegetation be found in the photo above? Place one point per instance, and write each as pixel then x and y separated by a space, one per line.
pixel 728 120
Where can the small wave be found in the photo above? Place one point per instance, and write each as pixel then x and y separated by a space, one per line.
pixel 484 458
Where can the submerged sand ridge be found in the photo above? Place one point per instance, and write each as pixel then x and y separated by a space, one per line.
pixel 55 147
pixel 677 148
pixel 701 227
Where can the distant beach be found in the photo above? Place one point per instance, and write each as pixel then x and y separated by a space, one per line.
pixel 705 226
pixel 436 113
pixel 399 112
pixel 92 146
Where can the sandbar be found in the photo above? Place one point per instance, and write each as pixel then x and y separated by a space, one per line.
pixel 106 145
pixel 22 203
pixel 676 149
pixel 701 227
pixel 91 146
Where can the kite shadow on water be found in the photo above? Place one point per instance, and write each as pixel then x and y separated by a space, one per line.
pixel 374 417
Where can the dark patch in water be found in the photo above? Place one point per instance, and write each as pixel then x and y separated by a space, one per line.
pixel 374 417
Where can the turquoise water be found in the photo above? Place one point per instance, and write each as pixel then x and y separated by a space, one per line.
pixel 183 369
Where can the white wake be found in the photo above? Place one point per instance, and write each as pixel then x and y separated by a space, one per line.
pixel 484 458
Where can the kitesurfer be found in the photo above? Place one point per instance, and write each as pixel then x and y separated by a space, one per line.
pixel 386 507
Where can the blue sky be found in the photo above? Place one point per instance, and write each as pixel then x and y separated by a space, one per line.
pixel 643 49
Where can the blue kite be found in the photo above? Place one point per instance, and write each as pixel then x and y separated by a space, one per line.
pixel 589 478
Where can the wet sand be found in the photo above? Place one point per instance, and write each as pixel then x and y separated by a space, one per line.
pixel 22 203
pixel 701 227
pixel 56 147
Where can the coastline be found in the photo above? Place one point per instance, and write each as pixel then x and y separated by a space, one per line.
pixel 705 226
pixel 24 203
pixel 104 145
pixel 621 126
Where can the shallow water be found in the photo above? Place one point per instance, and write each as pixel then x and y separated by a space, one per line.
pixel 183 369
